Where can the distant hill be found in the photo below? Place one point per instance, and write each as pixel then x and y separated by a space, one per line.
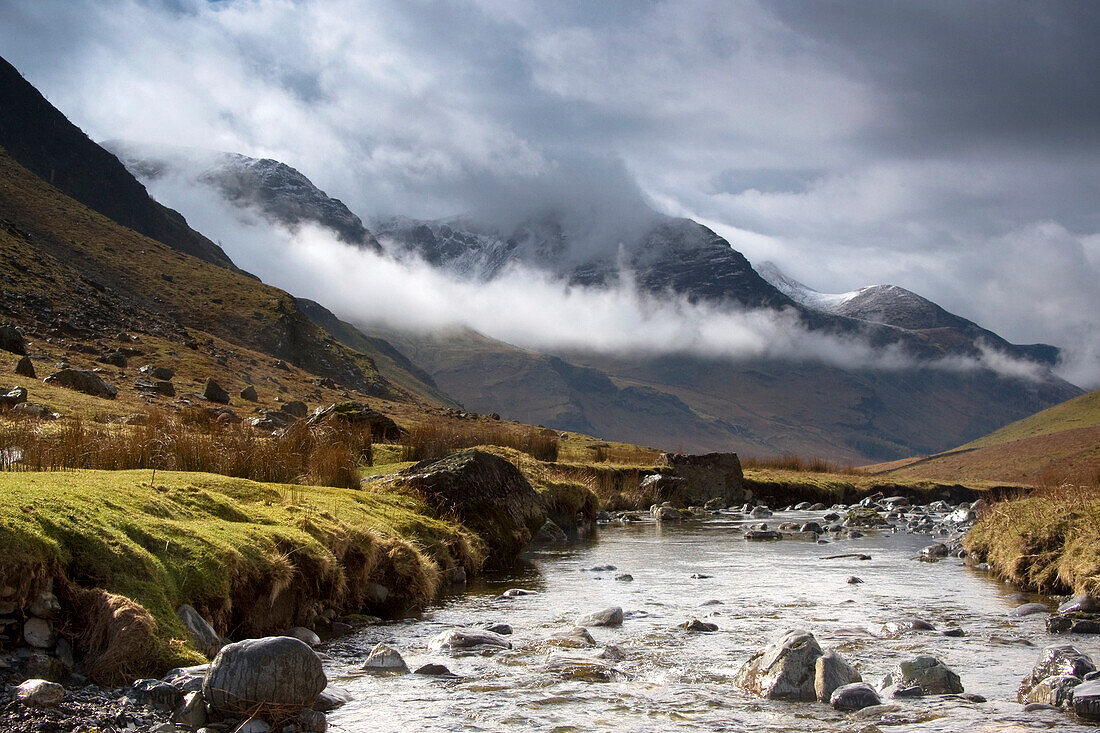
pixel 1058 445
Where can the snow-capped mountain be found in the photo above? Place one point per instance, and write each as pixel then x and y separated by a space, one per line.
pixel 275 189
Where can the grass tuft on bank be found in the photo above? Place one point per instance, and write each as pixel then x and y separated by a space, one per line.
pixel 254 558
pixel 1047 540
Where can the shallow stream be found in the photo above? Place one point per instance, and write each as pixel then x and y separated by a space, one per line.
pixel 672 679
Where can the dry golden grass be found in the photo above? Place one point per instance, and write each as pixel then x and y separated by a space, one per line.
pixel 791 462
pixel 190 441
pixel 437 438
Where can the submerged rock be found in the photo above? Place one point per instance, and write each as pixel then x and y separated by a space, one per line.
pixel 611 616
pixel 855 696
pixel 784 670
pixel 576 638
pixel 1028 609
pixel 580 668
pixel 274 671
pixel 460 639
pixel 698 626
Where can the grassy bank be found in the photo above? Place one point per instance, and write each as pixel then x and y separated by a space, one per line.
pixel 253 558
pixel 1048 540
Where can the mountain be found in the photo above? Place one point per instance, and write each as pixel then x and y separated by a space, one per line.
pixel 91 292
pixel 1060 445
pixel 691 402
pixel 42 140
pixel 895 306
pixel 275 189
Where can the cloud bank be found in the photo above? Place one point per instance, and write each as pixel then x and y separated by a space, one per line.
pixel 951 148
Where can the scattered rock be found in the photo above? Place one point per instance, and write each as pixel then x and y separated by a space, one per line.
pixel 203 636
pixel 762 535
pixel 1056 690
pixel 213 392
pixel 436 670
pixel 40 693
pixel 1061 659
pixel 699 626
pixel 611 616
pixel 1085 603
pixel 931 675
pixel 45 605
pixel 460 639
pixel 192 712
pixel 382 428
pixel 301 633
pixel 249 393
pixel 831 671
pixel 624 578
pixel 575 638
pixel 580 668
pixel 906 625
pixel 385 659
pixel 83 380
pixel 1086 700
pixel 39 633
pixel 550 533
pixel 502 629
pixel 784 670
pixel 855 696
pixel 274 671
pixel 518 592
pixel 331 698
pixel 25 368
pixel 295 408
pixel 853 580
pixel 1029 609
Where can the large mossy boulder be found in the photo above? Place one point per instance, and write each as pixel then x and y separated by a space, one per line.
pixel 785 669
pixel 705 477
pixel 484 492
pixel 356 414
pixel 272 679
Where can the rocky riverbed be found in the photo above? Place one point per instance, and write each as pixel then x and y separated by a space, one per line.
pixel 795 618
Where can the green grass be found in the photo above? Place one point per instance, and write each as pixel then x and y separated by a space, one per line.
pixel 254 558
pixel 1048 540
pixel 1080 412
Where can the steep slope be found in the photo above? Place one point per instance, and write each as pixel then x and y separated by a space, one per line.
pixel 275 189
pixel 80 286
pixel 1058 445
pixel 42 140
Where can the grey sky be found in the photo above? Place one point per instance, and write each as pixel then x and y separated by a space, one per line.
pixel 950 147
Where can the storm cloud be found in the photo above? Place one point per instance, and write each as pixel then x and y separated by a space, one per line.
pixel 951 148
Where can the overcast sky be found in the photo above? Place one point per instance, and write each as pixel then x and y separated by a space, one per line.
pixel 950 147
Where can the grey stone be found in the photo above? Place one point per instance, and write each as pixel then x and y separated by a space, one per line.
pixel 1056 690
pixel 1083 602
pixel 192 712
pixel 45 605
pixel 1029 609
pixel 550 533
pixel 39 633
pixel 784 670
pixel 1056 660
pixel 830 672
pixel 40 693
pixel 301 633
pixel 855 696
pixel 576 638
pixel 83 380
pixel 610 616
pixel 697 625
pixel 203 636
pixel 155 694
pixel 906 625
pixel 576 667
pixel 312 721
pixel 275 670
pixel 213 392
pixel 331 698
pixel 295 408
pixel 930 674
pixel 17 396
pixel 249 393
pixel 459 639
pixel 1086 700
pixel 25 368
pixel 385 659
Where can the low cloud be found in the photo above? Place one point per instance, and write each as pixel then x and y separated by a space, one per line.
pixel 524 307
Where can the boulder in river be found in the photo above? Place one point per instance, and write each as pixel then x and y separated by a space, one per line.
pixel 386 660
pixel 1060 659
pixel 1028 609
pixel 486 493
pixel 906 625
pixel 252 677
pixel 699 626
pixel 1082 602
pixel 1086 700
pixel 931 675
pixel 784 670
pixel 575 638
pixel 576 667
pixel 610 616
pixel 460 639
pixel 830 672
pixel 1056 690
pixel 855 696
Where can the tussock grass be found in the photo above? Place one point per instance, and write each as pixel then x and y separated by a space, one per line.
pixel 439 438
pixel 792 462
pixel 1045 540
pixel 190 441
pixel 625 455
pixel 254 558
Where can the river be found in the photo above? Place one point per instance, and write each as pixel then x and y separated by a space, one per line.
pixel 672 679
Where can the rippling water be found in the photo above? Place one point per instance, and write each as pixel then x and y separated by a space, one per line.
pixel 675 680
